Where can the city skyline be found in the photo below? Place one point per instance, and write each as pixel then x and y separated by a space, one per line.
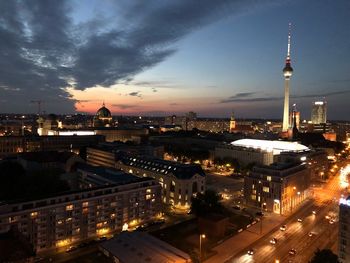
pixel 158 59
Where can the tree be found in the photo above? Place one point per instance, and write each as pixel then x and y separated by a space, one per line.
pixel 324 256
pixel 207 203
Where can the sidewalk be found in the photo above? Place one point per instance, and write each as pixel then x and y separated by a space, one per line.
pixel 237 243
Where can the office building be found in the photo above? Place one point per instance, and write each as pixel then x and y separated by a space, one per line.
pixel 319 112
pixel 344 230
pixel 279 188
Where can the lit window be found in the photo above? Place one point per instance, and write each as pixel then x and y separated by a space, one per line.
pixel 253 197
pixel 266 189
pixel 148 197
pixel 268 178
pixel 85 204
pixel 149 190
pixel 69 207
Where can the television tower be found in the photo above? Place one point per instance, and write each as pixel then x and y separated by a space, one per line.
pixel 287 73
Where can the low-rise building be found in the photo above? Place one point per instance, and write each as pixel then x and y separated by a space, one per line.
pixel 264 152
pixel 141 247
pixel 109 201
pixel 279 187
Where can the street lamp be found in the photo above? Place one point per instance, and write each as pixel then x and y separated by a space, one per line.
pixel 200 246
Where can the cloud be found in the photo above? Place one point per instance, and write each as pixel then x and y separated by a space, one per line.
pixel 135 94
pixel 47 50
pixel 239 98
pixel 124 106
pixel 242 95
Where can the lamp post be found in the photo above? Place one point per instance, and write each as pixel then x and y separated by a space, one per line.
pixel 200 246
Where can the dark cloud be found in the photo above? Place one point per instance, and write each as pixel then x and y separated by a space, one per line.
pixel 43 51
pixel 236 98
pixel 135 94
pixel 124 106
pixel 242 95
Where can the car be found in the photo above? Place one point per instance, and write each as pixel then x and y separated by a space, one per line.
pixel 237 207
pixel 314 212
pixel 300 220
pixel 71 248
pixel 259 213
pixel 273 241
pixel 250 252
pixel 283 228
pixel 292 252
pixel 310 234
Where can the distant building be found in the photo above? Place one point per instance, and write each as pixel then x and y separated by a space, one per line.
pixel 109 202
pixel 46 124
pixel 132 247
pixel 248 151
pixel 319 112
pixel 279 187
pixel 179 182
pixel 103 117
pixel 344 230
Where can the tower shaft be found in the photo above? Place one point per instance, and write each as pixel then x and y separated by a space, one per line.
pixel 286 106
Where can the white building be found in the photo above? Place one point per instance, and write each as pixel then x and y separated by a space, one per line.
pixel 257 151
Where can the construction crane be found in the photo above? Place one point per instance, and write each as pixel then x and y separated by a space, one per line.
pixel 39 102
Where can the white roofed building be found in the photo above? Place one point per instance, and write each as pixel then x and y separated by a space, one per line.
pixel 257 151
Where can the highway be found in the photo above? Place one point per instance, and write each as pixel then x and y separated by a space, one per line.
pixel 324 234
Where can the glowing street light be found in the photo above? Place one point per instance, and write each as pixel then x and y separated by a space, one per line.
pixel 200 246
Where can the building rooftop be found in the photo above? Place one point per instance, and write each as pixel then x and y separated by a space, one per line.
pixel 131 247
pixel 109 175
pixel 273 146
pixel 179 170
pixel 46 156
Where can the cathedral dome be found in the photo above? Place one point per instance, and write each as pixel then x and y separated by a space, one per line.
pixel 103 113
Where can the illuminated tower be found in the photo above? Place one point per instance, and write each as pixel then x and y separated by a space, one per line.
pixel 287 73
pixel 232 122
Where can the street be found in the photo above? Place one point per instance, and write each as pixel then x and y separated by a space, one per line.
pixel 296 236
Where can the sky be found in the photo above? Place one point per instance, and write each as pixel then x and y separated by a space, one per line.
pixel 160 58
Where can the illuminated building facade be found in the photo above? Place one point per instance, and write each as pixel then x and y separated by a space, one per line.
pixel 179 182
pixel 319 112
pixel 264 152
pixel 279 188
pixel 344 230
pixel 113 203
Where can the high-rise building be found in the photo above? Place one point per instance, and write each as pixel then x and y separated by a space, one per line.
pixel 319 112
pixel 344 234
pixel 287 73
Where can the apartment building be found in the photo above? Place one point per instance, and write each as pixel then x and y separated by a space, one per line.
pixel 114 202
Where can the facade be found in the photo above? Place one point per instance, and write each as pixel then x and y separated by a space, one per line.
pixel 244 155
pixel 344 230
pixel 132 247
pixel 279 187
pixel 319 112
pixel 10 145
pixel 264 152
pixel 62 220
pixel 179 182
pixel 122 134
